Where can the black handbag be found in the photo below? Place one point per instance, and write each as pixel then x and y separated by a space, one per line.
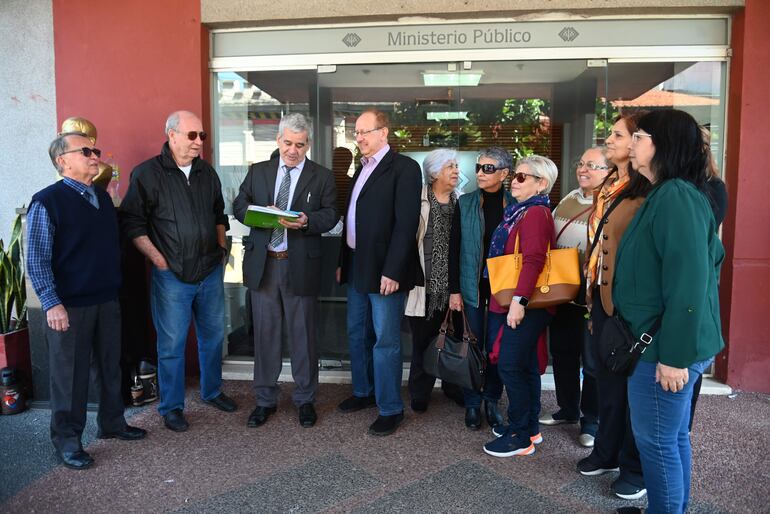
pixel 455 360
pixel 619 350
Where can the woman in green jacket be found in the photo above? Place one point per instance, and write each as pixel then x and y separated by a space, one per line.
pixel 667 267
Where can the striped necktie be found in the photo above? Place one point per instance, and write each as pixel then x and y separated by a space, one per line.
pixel 282 202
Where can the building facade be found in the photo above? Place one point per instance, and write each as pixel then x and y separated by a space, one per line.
pixel 464 74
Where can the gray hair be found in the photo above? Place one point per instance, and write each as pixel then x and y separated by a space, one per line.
pixel 59 146
pixel 296 123
pixel 500 155
pixel 601 148
pixel 542 167
pixel 172 122
pixel 435 161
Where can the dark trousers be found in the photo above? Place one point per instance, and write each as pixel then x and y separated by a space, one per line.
pixel 271 305
pixel 424 330
pixel 93 335
pixel 518 369
pixel 614 444
pixel 569 342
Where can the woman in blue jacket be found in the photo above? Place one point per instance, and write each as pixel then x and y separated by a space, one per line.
pixel 667 267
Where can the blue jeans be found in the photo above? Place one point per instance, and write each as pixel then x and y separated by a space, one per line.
pixel 519 370
pixel 174 303
pixel 374 336
pixel 493 388
pixel 660 420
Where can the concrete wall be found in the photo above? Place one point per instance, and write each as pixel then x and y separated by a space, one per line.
pixel 225 13
pixel 27 104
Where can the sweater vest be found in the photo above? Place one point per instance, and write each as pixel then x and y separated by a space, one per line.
pixel 86 248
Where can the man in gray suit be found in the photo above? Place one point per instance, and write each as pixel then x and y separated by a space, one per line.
pixel 282 267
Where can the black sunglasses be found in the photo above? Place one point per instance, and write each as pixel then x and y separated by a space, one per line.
pixel 86 151
pixel 487 168
pixel 193 135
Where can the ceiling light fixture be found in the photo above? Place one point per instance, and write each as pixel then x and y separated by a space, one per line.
pixel 444 79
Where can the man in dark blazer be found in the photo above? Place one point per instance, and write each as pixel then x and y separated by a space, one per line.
pixel 379 262
pixel 282 267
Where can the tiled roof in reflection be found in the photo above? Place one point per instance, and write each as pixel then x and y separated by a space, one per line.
pixel 660 98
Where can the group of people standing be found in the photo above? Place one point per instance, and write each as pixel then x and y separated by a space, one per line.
pixel 644 217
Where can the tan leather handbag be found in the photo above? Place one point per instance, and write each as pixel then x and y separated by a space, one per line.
pixel 558 283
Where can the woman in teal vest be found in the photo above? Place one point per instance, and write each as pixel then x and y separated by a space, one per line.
pixel 667 268
pixel 475 219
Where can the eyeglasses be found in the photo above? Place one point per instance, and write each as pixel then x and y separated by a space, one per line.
pixel 193 135
pixel 452 165
pixel 591 166
pixel 86 151
pixel 521 177
pixel 487 168
pixel 358 133
pixel 636 135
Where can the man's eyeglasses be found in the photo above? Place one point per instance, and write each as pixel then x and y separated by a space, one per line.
pixel 636 135
pixel 521 177
pixel 86 151
pixel 487 168
pixel 591 166
pixel 193 135
pixel 358 133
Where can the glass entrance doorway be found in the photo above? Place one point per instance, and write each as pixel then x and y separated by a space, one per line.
pixel 555 108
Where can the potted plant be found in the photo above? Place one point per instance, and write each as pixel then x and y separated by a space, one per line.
pixel 14 337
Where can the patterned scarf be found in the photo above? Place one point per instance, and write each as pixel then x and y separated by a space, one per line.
pixel 511 216
pixel 438 283
pixel 602 201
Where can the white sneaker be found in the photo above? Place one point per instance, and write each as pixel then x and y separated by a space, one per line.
pixel 586 440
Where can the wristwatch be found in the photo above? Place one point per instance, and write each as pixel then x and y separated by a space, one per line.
pixel 521 300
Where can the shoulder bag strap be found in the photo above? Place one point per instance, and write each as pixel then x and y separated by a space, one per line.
pixel 576 216
pixel 604 219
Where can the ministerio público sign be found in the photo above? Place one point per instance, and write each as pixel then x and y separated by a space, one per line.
pixel 471 36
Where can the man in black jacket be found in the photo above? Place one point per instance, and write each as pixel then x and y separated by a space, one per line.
pixel 380 263
pixel 174 213
pixel 282 267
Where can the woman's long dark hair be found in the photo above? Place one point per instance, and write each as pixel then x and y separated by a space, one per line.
pixel 679 149
pixel 638 185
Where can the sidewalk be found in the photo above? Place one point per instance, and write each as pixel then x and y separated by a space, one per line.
pixel 431 464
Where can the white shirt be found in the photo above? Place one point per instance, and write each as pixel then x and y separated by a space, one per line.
pixel 294 174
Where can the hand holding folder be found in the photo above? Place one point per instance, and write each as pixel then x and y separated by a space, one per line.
pixel 267 217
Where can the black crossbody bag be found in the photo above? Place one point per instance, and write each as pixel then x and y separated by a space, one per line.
pixel 619 350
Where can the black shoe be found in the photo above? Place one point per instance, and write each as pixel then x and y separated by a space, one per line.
pixel 494 418
pixel 386 425
pixel 629 510
pixel 627 490
pixel 259 415
pixel 223 403
pixel 127 434
pixel 557 418
pixel 419 405
pixel 174 420
pixel 307 415
pixel 589 468
pixel 76 460
pixel 473 418
pixel 355 403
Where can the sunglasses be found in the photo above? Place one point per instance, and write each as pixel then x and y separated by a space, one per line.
pixel 193 135
pixel 86 151
pixel 487 168
pixel 521 177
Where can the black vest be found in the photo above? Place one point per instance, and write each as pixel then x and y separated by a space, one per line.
pixel 86 247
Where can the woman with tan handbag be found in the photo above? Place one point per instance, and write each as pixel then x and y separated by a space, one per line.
pixel 527 227
pixel 568 330
pixel 620 196
pixel 427 305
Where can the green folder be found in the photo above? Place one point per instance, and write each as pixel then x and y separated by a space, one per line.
pixel 265 217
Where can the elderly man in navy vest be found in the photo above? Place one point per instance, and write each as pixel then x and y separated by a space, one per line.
pixel 73 262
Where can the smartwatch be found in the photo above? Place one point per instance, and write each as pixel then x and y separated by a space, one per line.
pixel 521 300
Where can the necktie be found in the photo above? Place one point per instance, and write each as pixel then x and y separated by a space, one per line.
pixel 282 202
